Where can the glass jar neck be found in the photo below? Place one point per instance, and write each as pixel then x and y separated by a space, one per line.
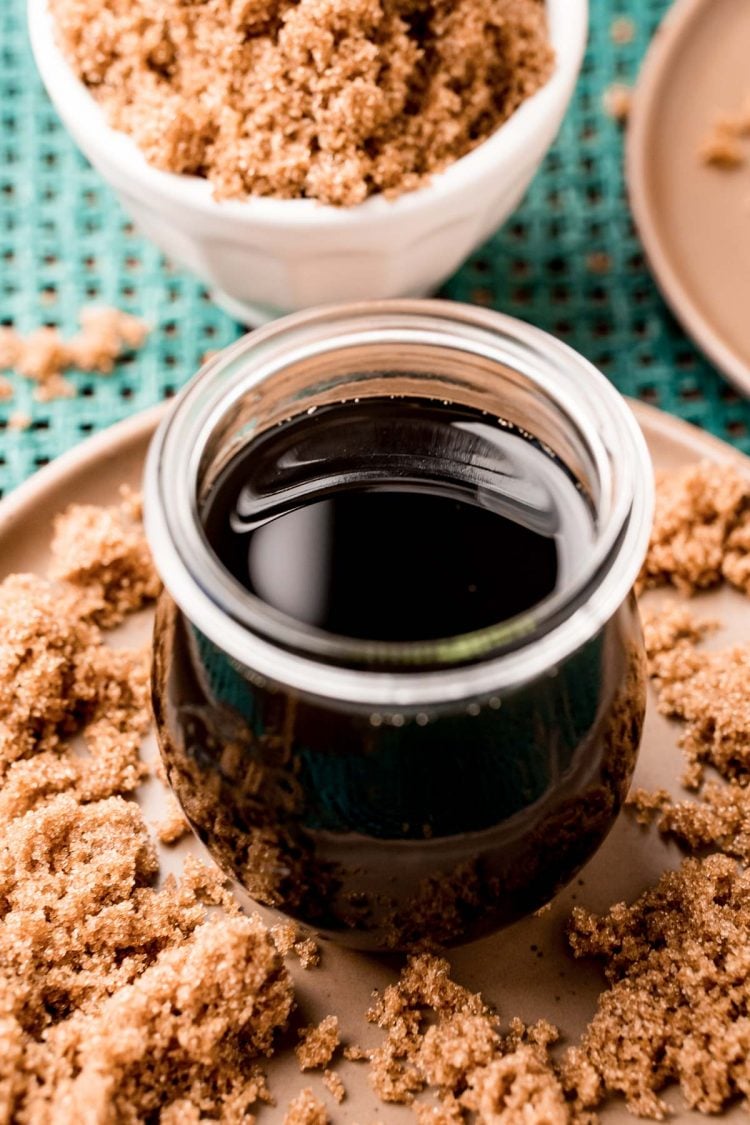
pixel 425 349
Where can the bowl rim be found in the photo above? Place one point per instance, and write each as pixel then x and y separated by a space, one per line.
pixel 75 104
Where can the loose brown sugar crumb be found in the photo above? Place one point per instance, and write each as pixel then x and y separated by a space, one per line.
pixel 647 805
pixel 700 533
pixel 334 1085
pixel 598 262
pixel 118 1001
pixel 617 101
pixel 676 1010
pixel 105 333
pixel 355 1054
pixel 722 146
pixel 305 1109
pixel 308 98
pixel 719 820
pixel 318 1044
pixel 708 691
pixel 172 826
pixel 59 675
pixel 308 952
pixel 284 935
pixel 622 30
pixel 443 1037
pixel 52 387
pixel 42 355
pixel 6 388
pixel 104 552
pixel 19 420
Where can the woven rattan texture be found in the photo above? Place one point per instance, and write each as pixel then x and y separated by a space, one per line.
pixel 569 260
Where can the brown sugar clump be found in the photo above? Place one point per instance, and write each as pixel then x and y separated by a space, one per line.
pixel 308 952
pixel 6 388
pixel 709 692
pixel 598 262
pixel 334 1085
pixel 308 98
pixel 443 1037
pixel 722 146
pixel 518 1087
pixel 19 420
pixel 622 31
pixel 289 939
pixel 318 1044
pixel 118 1001
pixel 678 966
pixel 305 1109
pixel 172 826
pixel 722 149
pixel 56 670
pixel 647 805
pixel 105 334
pixel 188 1024
pixel 698 510
pixel 719 820
pixel 284 935
pixel 617 101
pixel 42 355
pixel 104 551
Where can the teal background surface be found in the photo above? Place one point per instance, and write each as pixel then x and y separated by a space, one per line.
pixel 65 242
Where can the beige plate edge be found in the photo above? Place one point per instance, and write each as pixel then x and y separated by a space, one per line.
pixel 665 44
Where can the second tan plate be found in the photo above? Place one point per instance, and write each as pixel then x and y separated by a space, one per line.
pixel 694 220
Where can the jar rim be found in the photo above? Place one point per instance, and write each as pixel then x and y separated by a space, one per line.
pixel 491 660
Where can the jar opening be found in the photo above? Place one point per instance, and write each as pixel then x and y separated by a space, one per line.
pixel 431 351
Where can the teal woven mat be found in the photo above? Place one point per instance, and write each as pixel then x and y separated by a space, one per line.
pixel 64 242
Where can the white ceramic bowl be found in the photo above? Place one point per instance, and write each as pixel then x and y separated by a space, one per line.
pixel 263 256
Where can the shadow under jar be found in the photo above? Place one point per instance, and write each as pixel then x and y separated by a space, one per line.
pixel 320 493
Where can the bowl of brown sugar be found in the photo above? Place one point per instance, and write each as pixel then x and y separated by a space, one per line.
pixel 299 153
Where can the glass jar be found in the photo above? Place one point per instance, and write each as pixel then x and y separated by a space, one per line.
pixel 392 794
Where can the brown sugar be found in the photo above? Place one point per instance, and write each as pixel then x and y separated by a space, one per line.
pixel 118 1000
pixel 172 826
pixel 443 1037
pixel 708 691
pixel 599 262
pixel 305 1109
pixel 700 529
pixel 722 146
pixel 19 420
pixel 617 101
pixel 622 31
pixel 676 1010
pixel 308 952
pixel 318 1044
pixel 718 821
pixel 308 98
pixel 42 355
pixel 104 552
pixel 334 1085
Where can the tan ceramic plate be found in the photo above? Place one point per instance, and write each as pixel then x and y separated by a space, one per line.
pixel 694 220
pixel 525 970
